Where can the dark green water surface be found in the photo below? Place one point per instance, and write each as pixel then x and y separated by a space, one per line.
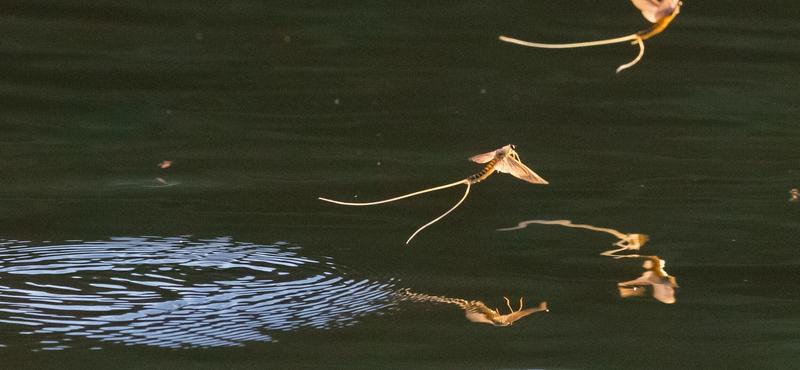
pixel 230 261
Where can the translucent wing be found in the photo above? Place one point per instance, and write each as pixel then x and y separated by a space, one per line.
pixel 666 8
pixel 649 8
pixel 483 158
pixel 478 312
pixel 478 317
pixel 515 168
pixel 647 278
pixel 664 292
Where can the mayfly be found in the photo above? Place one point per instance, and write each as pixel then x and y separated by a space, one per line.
pixel 504 160
pixel 658 12
pixel 477 311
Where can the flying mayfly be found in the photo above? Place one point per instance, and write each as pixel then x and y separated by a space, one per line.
pixel 658 12
pixel 504 160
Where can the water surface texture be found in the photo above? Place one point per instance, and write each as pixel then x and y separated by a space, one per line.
pixel 263 106
pixel 175 292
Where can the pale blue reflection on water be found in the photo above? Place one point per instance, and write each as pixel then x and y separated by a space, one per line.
pixel 175 292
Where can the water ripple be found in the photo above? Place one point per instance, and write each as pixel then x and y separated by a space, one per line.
pixel 175 292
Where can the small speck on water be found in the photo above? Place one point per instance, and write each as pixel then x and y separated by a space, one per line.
pixel 336 101
pixel 287 39
pixel 483 91
pixel 198 36
pixel 379 163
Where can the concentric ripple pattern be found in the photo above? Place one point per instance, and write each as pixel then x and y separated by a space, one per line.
pixel 174 292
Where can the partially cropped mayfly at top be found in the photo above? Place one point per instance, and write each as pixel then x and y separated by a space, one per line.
pixel 504 160
pixel 658 12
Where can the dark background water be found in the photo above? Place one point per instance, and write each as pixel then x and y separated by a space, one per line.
pixel 265 106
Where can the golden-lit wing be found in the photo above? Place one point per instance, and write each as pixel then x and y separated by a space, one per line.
pixel 649 9
pixel 515 168
pixel 666 7
pixel 664 292
pixel 647 278
pixel 483 158
pixel 478 318
pixel 654 10
pixel 476 311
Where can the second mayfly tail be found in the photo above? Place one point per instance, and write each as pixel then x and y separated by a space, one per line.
pixel 395 198
pixel 468 184
pixel 637 40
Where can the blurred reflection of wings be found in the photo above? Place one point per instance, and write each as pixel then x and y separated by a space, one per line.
pixel 655 278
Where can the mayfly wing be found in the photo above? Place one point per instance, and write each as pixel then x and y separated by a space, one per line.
pixel 654 10
pixel 647 278
pixel 666 8
pixel 476 311
pixel 515 168
pixel 649 8
pixel 478 317
pixel 483 158
pixel 664 292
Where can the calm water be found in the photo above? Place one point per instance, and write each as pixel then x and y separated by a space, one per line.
pixel 227 259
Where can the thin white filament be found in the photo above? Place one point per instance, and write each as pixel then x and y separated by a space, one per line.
pixel 396 198
pixel 569 46
pixel 443 214
pixel 638 40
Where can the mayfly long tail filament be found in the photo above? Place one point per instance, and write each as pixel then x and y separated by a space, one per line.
pixel 395 198
pixel 443 214
pixel 569 46
pixel 638 40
